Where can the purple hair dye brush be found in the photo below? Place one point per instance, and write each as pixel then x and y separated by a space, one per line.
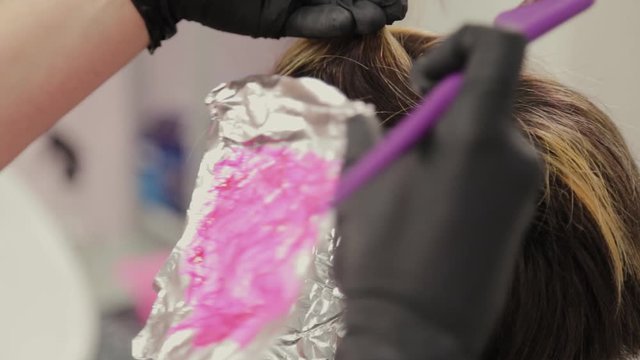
pixel 532 20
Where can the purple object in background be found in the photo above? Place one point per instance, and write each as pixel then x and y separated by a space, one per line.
pixel 162 164
pixel 533 20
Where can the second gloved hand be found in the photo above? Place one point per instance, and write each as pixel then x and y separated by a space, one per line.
pixel 428 247
pixel 272 18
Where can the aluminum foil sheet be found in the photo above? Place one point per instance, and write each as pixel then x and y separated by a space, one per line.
pixel 302 115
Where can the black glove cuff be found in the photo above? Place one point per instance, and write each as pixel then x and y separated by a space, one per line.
pixel 160 22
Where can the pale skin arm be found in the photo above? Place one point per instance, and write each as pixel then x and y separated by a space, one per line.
pixel 53 53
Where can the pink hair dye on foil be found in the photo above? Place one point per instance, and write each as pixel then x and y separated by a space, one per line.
pixel 240 271
pixel 261 203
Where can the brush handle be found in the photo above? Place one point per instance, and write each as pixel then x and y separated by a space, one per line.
pixel 402 138
pixel 533 21
pixel 542 16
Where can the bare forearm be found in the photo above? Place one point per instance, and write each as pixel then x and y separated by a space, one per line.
pixel 55 53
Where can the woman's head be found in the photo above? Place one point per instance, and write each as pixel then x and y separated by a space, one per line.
pixel 576 290
pixel 374 69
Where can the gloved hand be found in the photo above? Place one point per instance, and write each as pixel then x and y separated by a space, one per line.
pixel 271 18
pixel 429 247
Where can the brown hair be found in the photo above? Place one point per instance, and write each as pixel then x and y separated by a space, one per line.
pixel 576 290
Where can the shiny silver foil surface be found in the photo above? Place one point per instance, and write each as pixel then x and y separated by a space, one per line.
pixel 304 114
pixel 315 325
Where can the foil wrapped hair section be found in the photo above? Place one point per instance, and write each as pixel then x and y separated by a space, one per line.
pixel 269 135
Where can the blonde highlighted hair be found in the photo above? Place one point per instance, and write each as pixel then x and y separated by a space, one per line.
pixel 576 291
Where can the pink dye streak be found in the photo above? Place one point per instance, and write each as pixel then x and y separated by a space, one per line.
pixel 267 202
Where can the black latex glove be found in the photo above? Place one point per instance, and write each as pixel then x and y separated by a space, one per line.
pixel 428 247
pixel 272 18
